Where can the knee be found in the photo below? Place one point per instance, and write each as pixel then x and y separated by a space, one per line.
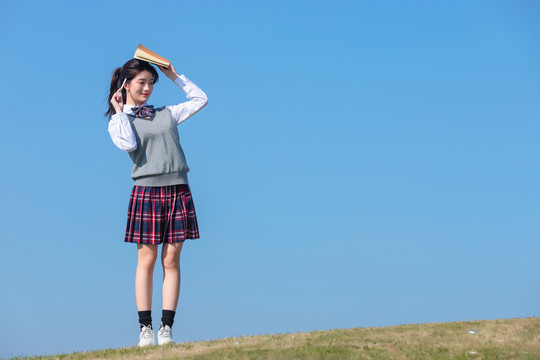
pixel 146 263
pixel 170 263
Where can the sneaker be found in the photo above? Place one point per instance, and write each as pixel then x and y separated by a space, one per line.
pixel 146 337
pixel 164 335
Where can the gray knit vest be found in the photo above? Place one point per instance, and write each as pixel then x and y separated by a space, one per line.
pixel 159 159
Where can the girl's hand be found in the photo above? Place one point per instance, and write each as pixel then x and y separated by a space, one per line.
pixel 169 72
pixel 117 100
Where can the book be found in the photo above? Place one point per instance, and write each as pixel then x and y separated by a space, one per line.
pixel 143 53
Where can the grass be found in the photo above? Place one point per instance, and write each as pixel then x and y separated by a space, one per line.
pixel 495 339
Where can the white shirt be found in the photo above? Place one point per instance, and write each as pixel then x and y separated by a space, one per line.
pixel 120 128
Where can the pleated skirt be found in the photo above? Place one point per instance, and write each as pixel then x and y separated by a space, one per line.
pixel 163 214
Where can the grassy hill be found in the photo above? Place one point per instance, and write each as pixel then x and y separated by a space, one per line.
pixel 486 339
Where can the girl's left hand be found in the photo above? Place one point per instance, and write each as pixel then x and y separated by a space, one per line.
pixel 169 72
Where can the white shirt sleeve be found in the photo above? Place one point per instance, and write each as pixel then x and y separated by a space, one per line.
pixel 197 100
pixel 121 132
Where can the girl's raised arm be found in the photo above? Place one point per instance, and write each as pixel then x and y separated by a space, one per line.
pixel 122 133
pixel 120 128
pixel 197 97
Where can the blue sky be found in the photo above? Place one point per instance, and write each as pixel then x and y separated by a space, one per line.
pixel 358 164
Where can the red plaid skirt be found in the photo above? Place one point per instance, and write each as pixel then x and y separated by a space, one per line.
pixel 161 214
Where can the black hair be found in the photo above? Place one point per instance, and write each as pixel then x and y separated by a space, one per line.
pixel 128 71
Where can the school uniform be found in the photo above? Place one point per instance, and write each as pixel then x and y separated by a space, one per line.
pixel 161 205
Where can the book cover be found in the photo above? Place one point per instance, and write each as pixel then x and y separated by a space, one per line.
pixel 143 53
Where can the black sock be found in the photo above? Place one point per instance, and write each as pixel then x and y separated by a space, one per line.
pixel 168 317
pixel 145 318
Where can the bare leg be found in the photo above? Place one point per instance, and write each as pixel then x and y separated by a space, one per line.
pixel 170 258
pixel 147 255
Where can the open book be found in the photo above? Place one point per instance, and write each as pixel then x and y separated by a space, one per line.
pixel 143 53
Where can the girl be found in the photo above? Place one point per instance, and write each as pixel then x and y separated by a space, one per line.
pixel 161 209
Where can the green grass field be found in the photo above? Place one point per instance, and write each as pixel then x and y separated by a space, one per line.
pixel 491 339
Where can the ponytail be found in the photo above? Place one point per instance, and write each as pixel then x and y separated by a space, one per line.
pixel 128 72
pixel 115 84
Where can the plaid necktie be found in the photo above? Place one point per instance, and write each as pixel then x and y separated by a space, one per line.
pixel 143 111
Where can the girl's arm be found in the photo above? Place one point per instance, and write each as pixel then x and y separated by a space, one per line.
pixel 120 128
pixel 122 133
pixel 197 97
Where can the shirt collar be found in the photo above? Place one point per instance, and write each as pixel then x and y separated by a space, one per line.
pixel 127 108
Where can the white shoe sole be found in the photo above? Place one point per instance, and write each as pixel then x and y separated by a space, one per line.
pixel 165 342
pixel 146 343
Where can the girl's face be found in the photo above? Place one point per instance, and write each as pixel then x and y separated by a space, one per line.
pixel 139 89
